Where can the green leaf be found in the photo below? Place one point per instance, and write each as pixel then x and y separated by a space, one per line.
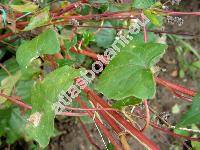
pixel 195 145
pixel 46 43
pixel 119 7
pixel 105 37
pixel 12 124
pixel 87 38
pixel 129 73
pixel 40 19
pixel 31 70
pixel 192 115
pixel 17 124
pixel 44 95
pixel 75 58
pixel 28 7
pixel 63 62
pixel 23 89
pixel 7 85
pixel 142 4
pixel 126 102
pixel 11 65
pixel 84 10
pixel 4 117
pixel 2 53
pixel 69 44
pixel 139 38
pixel 155 18
pixel 181 132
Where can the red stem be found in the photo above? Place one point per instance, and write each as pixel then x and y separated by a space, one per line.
pixel 144 29
pixel 120 132
pixel 101 16
pixel 137 134
pixel 147 115
pixel 110 121
pixel 17 102
pixel 85 52
pixel 69 8
pixel 175 87
pixel 145 101
pixel 73 114
pixel 101 126
pixel 182 96
pixel 91 109
pixel 66 9
pixel 88 134
pixel 6 35
pixel 106 15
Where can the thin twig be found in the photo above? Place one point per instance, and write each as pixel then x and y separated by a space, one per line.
pixel 91 109
pixel 15 101
pixel 6 70
pixel 73 114
pixel 174 134
pixel 147 118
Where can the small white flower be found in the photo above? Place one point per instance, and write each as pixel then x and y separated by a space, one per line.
pixel 180 22
pixel 170 19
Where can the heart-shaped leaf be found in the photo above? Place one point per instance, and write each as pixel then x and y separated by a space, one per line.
pixel 129 73
pixel 44 94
